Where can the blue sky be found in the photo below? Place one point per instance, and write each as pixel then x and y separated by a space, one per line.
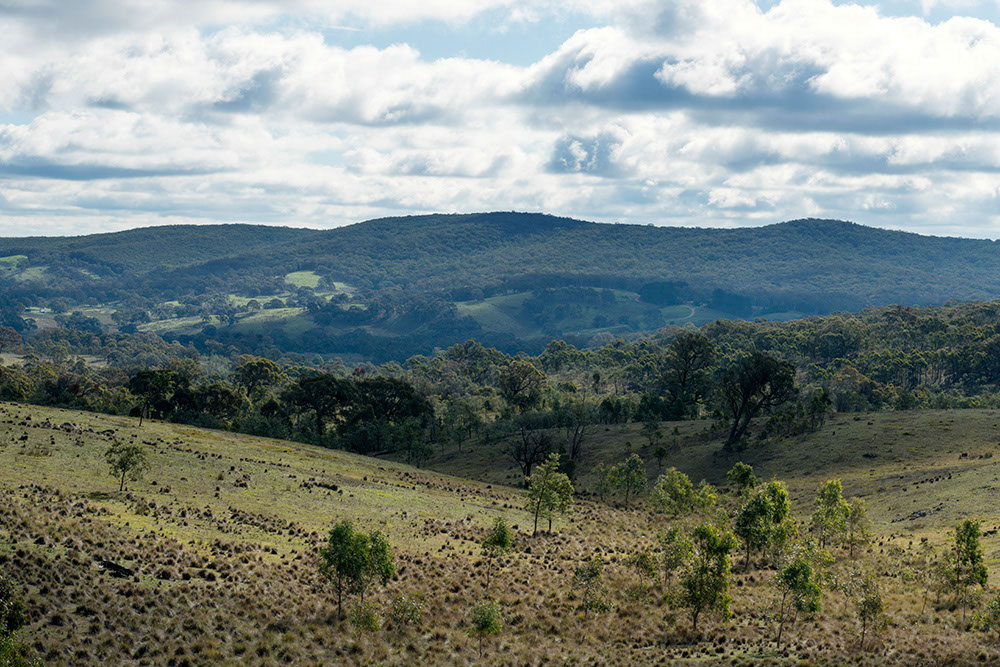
pixel 124 113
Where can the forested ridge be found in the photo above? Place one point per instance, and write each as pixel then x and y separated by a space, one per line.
pixel 808 265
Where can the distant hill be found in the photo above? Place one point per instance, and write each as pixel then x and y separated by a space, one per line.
pixel 808 265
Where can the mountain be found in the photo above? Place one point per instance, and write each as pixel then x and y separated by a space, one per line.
pixel 824 264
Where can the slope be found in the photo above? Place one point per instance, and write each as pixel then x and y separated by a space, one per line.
pixel 220 541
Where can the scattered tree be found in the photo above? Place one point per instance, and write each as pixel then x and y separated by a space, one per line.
pixel 353 560
pixel 651 431
pixel 832 512
pixel 741 477
pixel 605 480
pixel 760 516
pixel 255 373
pixel 522 385
pixel 674 493
pixel 630 477
pixel 529 449
pixel 864 593
pixel 799 589
pixel 966 568
pixel 9 338
pixel 496 544
pixel 588 579
pixel 487 621
pixel 676 548
pixel 549 491
pixel 660 454
pixel 755 385
pixel 126 460
pixel 859 526
pixel 706 578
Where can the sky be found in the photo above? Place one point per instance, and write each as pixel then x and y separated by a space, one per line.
pixel 117 114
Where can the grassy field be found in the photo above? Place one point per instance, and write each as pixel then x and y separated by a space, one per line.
pixel 221 538
pixel 920 472
pixel 303 279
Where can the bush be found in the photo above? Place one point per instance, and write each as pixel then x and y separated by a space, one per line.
pixel 405 610
pixel 366 617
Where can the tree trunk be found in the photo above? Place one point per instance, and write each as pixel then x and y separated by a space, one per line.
pixel 781 617
pixel 121 487
pixel 319 426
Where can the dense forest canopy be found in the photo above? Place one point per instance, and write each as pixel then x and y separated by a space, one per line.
pixel 806 265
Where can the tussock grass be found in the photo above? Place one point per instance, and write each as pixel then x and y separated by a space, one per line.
pixel 222 535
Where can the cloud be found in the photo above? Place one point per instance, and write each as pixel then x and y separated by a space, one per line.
pixel 691 112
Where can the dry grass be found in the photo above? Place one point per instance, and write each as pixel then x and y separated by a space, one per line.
pixel 225 573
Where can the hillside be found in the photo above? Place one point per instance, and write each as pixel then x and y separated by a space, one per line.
pixel 819 265
pixel 220 540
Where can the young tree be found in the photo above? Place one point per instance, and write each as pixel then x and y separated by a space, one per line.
pixel 755 385
pixel 378 564
pixel 674 493
pixel 405 610
pixel 660 454
pixel 549 491
pixel 742 478
pixel 989 618
pixel 760 516
pixel 675 549
pixel 353 560
pixel 798 586
pixel 859 526
pixel 651 431
pixel 966 568
pixel 487 620
pixel 365 617
pixel 605 480
pixel 864 593
pixel 630 477
pixel 706 579
pixel 497 543
pixel 126 460
pixel 832 511
pixel 588 579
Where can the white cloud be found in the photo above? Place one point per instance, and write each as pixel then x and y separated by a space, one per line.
pixel 689 112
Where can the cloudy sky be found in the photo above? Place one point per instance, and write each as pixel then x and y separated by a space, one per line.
pixel 319 113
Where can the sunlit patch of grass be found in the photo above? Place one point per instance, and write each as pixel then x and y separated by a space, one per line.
pixel 303 279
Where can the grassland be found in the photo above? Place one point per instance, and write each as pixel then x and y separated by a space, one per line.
pixel 920 472
pixel 221 537
pixel 303 279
